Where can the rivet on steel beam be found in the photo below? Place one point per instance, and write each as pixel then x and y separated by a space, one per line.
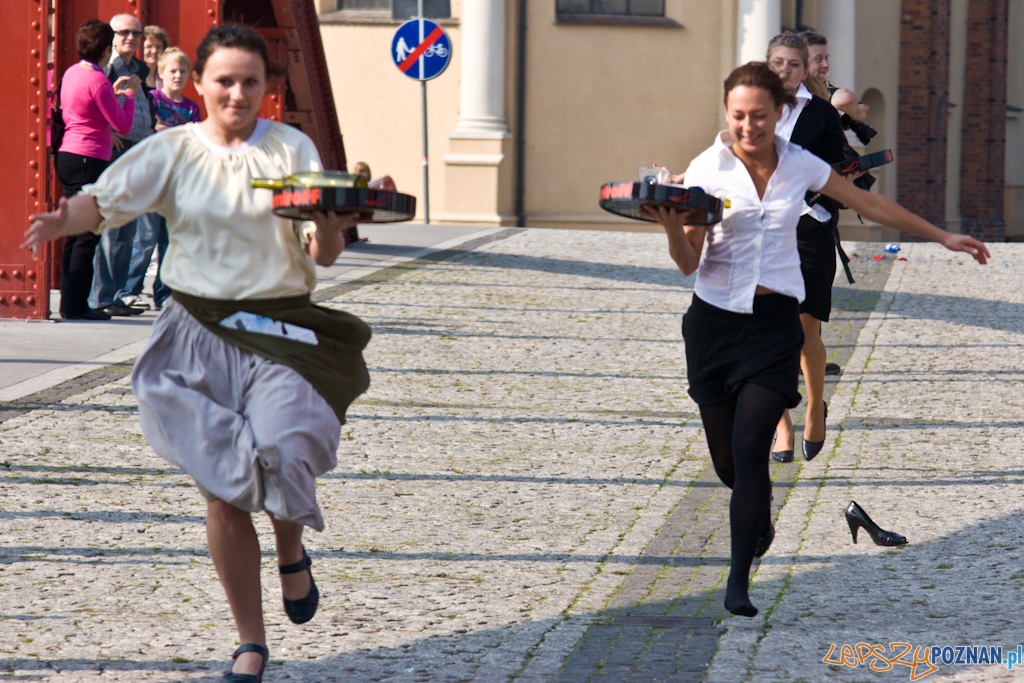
pixel 3 299
pixel 15 299
pixel 34 109
pixel 34 80
pixel 31 301
pixel 33 136
pixel 35 25
pixel 34 52
pixel 3 273
pixel 16 274
pixel 33 191
pixel 33 164
pixel 31 275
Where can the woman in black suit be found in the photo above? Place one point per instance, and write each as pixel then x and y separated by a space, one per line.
pixel 814 125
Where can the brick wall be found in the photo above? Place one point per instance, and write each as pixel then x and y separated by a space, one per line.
pixel 923 108
pixel 984 128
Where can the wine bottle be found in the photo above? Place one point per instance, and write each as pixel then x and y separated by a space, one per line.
pixel 310 179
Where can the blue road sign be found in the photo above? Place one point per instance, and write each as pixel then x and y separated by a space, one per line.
pixel 421 49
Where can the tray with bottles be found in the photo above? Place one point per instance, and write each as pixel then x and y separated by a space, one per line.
pixel 298 195
pixel 627 198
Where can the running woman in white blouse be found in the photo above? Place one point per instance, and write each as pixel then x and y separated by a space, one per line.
pixel 742 332
pixel 252 418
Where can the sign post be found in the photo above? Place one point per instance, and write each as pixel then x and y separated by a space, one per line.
pixel 422 50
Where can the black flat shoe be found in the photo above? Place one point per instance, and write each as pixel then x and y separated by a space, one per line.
pixel 121 310
pixel 812 448
pixel 857 518
pixel 782 456
pixel 833 369
pixel 232 677
pixel 302 610
pixel 90 314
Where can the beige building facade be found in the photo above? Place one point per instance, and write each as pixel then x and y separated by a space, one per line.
pixel 538 107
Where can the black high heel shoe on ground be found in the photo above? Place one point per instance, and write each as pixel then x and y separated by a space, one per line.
pixel 857 518
pixel 812 448
pixel 232 677
pixel 302 610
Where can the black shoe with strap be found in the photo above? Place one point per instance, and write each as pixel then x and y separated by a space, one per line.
pixel 232 677
pixel 302 610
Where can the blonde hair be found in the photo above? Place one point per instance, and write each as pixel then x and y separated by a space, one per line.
pixel 173 53
pixel 798 43
pixel 157 33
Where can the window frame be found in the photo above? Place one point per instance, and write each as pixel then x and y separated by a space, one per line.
pixel 602 19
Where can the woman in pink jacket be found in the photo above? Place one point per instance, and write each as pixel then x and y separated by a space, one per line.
pixel 90 109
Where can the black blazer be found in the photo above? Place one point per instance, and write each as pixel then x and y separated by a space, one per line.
pixel 820 132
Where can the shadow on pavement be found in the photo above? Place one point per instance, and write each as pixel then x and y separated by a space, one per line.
pixel 914 594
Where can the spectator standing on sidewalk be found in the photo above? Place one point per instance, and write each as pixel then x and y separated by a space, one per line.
pixel 90 109
pixel 155 41
pixel 171 109
pixel 362 168
pixel 110 267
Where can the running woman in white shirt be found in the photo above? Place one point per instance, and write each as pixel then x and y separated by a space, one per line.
pixel 742 332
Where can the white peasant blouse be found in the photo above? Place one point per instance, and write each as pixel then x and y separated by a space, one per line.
pixel 224 241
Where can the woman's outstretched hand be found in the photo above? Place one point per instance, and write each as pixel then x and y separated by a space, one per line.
pixel 968 245
pixel 46 227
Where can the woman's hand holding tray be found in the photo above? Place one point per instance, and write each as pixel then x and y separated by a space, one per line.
pixel 628 198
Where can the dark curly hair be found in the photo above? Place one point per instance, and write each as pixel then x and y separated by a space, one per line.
pixel 234 36
pixel 94 37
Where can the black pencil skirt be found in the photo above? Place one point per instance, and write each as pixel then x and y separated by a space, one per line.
pixel 817 248
pixel 725 350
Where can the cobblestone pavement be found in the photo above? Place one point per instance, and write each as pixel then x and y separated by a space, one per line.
pixel 524 493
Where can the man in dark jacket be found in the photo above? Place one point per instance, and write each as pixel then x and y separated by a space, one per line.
pixel 113 256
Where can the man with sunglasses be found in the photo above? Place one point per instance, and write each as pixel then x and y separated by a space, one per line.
pixel 113 256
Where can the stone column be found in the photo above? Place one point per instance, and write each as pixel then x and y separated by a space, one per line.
pixel 478 166
pixel 757 22
pixel 837 20
pixel 482 86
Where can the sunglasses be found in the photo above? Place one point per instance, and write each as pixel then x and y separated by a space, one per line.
pixel 128 33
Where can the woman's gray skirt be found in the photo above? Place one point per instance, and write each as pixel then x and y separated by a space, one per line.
pixel 250 432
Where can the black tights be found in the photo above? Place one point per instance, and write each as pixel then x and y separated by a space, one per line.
pixel 739 433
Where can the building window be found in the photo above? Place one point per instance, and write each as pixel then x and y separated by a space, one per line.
pixel 399 9
pixel 622 8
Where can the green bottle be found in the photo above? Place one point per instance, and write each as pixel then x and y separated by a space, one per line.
pixel 311 179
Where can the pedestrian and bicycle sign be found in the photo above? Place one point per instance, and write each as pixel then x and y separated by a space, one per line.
pixel 421 49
